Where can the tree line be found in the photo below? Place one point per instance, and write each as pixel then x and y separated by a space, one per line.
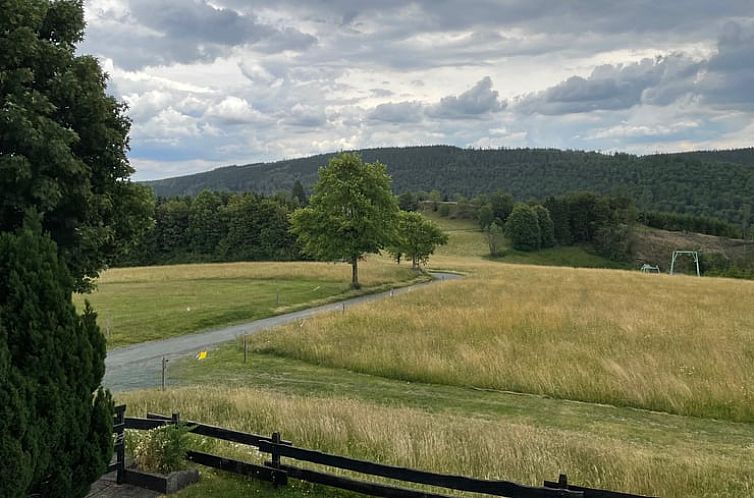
pixel 718 184
pixel 217 227
pixel 577 218
pixel 340 222
pixel 688 223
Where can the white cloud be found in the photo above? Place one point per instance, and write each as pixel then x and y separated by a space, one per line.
pixel 235 111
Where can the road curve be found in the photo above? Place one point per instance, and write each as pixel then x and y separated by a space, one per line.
pixel 139 366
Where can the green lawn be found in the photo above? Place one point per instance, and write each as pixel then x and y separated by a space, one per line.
pixel 143 304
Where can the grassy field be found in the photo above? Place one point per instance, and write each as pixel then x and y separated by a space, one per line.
pixel 632 382
pixel 676 344
pixel 142 304
pixel 505 447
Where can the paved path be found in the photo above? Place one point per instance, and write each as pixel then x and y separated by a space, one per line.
pixel 106 487
pixel 139 366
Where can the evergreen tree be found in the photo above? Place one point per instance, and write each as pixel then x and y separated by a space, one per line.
pixel 522 228
pixel 299 193
pixel 560 216
pixel 67 208
pixel 546 227
pixel 205 226
pixel 407 202
pixel 55 420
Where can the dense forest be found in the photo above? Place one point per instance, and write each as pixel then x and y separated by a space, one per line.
pixel 213 227
pixel 708 183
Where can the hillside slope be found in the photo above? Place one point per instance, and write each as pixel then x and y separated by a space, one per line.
pixel 656 247
pixel 718 184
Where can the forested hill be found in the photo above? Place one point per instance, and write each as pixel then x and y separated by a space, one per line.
pixel 708 183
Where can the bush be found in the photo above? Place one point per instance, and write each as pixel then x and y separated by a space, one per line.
pixel 522 228
pixel 162 450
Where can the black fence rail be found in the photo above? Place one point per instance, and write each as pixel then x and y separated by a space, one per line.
pixel 278 473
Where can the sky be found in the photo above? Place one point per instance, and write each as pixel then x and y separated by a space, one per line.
pixel 214 83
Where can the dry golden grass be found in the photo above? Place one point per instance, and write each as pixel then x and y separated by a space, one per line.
pixel 374 271
pixel 468 446
pixel 682 345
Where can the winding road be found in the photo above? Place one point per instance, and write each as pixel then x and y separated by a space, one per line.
pixel 139 366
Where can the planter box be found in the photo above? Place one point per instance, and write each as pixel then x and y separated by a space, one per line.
pixel 165 484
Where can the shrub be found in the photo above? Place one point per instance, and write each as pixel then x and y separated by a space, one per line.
pixel 522 228
pixel 162 450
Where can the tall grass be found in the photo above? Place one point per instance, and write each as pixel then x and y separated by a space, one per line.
pixel 467 446
pixel 681 345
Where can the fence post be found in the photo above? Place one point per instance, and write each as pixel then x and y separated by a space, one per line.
pixel 275 453
pixel 245 349
pixel 164 371
pixel 120 445
pixel 175 419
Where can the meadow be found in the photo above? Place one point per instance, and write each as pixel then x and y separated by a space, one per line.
pixel 486 447
pixel 681 345
pixel 624 381
pixel 148 303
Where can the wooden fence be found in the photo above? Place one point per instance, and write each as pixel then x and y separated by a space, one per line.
pixel 277 472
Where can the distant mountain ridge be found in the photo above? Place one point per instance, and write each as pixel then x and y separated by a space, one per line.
pixel 714 183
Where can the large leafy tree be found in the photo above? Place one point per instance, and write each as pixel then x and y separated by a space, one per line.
pixel 63 140
pixel 417 238
pixel 352 212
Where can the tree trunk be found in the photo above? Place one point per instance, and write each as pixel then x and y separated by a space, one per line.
pixel 355 274
pixel 414 263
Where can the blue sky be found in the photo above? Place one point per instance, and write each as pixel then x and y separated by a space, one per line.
pixel 212 83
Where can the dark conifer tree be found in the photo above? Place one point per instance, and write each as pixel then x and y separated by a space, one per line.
pixel 55 420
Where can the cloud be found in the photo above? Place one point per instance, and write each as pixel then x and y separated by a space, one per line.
pixel 615 87
pixel 725 79
pixel 398 112
pixel 234 111
pixel 478 101
pixel 162 32
pixel 728 78
pixel 306 116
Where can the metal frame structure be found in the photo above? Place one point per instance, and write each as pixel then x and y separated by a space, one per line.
pixel 693 254
pixel 647 268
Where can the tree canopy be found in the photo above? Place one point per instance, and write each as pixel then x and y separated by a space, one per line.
pixel 63 139
pixel 352 212
pixel 522 228
pixel 417 238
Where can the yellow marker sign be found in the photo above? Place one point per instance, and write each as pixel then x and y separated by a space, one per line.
pixel 201 355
